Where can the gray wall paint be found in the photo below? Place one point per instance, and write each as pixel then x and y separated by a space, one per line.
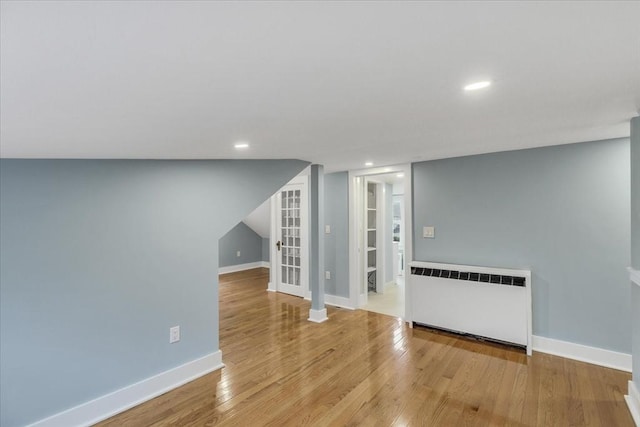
pixel 336 196
pixel 388 233
pixel 98 258
pixel 635 245
pixel 316 236
pixel 240 238
pixel 562 211
pixel 266 254
pixel 635 192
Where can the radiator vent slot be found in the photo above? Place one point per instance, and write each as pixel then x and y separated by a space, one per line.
pixel 470 276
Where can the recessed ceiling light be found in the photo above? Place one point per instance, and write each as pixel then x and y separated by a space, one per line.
pixel 400 175
pixel 477 85
pixel 241 145
pixel 368 164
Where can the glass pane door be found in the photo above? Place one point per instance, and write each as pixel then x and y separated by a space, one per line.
pixel 290 253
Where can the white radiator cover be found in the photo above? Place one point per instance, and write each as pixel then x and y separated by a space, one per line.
pixel 491 310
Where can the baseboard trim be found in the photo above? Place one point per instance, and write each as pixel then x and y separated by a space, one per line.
pixel 106 406
pixel 633 402
pixel 337 301
pixel 583 353
pixel 243 267
pixel 318 316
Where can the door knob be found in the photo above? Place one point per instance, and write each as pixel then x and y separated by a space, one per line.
pixel 278 244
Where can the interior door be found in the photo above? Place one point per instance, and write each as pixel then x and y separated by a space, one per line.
pixel 291 239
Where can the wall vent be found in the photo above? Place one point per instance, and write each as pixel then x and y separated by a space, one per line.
pixel 498 279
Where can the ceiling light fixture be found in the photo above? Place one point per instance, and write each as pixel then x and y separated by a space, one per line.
pixel 477 85
pixel 241 145
pixel 400 175
pixel 368 164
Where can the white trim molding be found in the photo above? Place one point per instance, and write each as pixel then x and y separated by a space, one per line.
pixel 101 408
pixel 337 301
pixel 583 353
pixel 356 278
pixel 318 316
pixel 633 402
pixel 634 275
pixel 243 267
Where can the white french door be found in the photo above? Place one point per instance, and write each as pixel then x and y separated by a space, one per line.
pixel 291 238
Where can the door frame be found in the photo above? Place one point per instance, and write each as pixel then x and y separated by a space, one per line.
pixel 356 181
pixel 303 179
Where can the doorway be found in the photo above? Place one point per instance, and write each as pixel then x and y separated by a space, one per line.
pixel 290 248
pixel 379 239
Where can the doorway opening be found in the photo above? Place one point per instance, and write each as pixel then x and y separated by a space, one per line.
pixel 379 240
pixel 290 238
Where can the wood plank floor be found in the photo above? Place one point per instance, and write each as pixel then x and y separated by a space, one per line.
pixel 364 369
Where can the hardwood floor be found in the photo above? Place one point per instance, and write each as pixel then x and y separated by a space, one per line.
pixel 362 369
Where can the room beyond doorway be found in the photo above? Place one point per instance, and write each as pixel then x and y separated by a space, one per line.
pixel 377 240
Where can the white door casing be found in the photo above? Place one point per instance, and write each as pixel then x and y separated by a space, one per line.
pixel 356 240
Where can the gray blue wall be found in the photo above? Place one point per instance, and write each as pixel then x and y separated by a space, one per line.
pixel 266 254
pixel 562 211
pixel 316 236
pixel 336 196
pixel 98 258
pixel 240 238
pixel 635 244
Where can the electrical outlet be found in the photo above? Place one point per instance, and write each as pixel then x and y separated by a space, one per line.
pixel 174 334
pixel 327 275
pixel 428 232
pixel 238 254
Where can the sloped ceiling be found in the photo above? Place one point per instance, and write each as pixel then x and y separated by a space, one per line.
pixel 260 220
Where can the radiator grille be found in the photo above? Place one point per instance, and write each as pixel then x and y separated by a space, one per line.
pixel 470 276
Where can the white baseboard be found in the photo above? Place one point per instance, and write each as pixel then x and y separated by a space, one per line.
pixel 583 353
pixel 633 401
pixel 243 267
pixel 336 301
pixel 318 316
pixel 106 406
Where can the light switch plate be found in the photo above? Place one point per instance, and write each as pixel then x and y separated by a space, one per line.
pixel 174 334
pixel 327 229
pixel 238 253
pixel 428 232
pixel 327 275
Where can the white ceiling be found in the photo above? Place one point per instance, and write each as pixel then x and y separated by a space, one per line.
pixel 336 83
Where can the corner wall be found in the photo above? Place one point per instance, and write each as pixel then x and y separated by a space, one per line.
pixel 99 258
pixel 562 211
pixel 243 239
pixel 337 242
pixel 266 253
pixel 635 247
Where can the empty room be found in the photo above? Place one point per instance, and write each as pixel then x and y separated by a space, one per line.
pixel 324 213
